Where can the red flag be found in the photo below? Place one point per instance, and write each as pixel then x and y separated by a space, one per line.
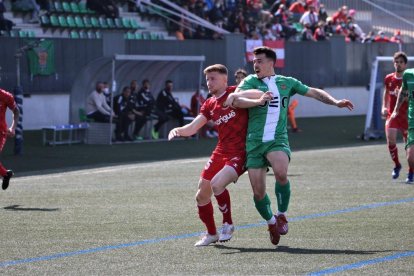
pixel 250 45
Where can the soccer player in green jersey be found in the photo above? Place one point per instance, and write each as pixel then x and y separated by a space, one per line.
pixel 407 92
pixel 267 139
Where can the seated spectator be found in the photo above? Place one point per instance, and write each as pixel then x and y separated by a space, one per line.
pixel 105 7
pixel 297 9
pixel 167 104
pixel 239 75
pixel 96 106
pixel 329 27
pixel 107 93
pixel 123 109
pixel 340 16
pixel 381 37
pixel 369 37
pixel 319 34
pixel 146 104
pixel 307 34
pixel 322 13
pixel 396 38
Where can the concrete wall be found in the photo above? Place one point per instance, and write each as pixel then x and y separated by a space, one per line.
pixel 45 110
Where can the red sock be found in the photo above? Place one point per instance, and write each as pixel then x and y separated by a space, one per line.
pixel 394 154
pixel 206 215
pixel 410 170
pixel 3 170
pixel 223 201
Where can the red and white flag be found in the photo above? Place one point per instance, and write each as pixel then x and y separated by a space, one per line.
pixel 279 47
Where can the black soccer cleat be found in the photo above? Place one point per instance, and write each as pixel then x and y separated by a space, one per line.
pixel 6 179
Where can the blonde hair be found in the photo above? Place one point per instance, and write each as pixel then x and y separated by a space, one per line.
pixel 219 68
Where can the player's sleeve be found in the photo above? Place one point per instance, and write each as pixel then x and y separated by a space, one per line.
pixel 205 111
pixel 404 82
pixel 298 87
pixel 246 84
pixel 11 104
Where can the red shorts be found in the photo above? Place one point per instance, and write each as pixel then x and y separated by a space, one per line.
pixel 3 138
pixel 400 122
pixel 217 162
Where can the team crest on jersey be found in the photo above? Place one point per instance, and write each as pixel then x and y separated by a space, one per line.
pixel 283 86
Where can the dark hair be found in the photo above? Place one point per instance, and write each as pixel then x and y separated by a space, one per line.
pixel 145 81
pixel 125 88
pixel 240 71
pixel 168 82
pixel 219 68
pixel 401 55
pixel 269 53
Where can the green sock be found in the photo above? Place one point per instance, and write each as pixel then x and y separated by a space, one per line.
pixel 263 207
pixel 283 196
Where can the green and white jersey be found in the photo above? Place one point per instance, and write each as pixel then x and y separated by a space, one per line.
pixel 268 122
pixel 408 84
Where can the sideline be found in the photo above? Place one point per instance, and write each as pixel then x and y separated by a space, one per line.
pixel 184 236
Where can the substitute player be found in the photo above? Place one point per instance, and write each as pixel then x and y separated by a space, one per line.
pixel 392 84
pixel 407 92
pixel 7 101
pixel 227 161
pixel 267 139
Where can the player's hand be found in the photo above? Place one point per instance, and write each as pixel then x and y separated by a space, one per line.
pixel 384 112
pixel 345 103
pixel 230 100
pixel 268 96
pixel 173 133
pixel 11 132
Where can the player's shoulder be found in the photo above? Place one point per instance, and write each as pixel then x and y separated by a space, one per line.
pixel 390 76
pixel 4 93
pixel 231 89
pixel 409 72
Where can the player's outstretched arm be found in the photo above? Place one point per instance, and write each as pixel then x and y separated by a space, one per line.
pixel 188 129
pixel 249 94
pixel 402 96
pixel 239 101
pixel 326 98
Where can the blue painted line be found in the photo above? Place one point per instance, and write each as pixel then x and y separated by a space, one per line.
pixel 184 236
pixel 362 263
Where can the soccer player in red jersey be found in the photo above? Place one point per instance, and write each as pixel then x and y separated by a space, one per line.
pixel 7 101
pixel 227 161
pixel 392 84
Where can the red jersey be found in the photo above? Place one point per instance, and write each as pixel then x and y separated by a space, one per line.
pixel 392 85
pixel 6 101
pixel 231 123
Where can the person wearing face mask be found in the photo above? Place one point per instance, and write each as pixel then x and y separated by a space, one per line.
pixel 96 106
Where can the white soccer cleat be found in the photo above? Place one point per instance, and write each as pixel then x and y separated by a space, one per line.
pixel 207 239
pixel 226 232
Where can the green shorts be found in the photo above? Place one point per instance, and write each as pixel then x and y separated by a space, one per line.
pixel 257 151
pixel 410 138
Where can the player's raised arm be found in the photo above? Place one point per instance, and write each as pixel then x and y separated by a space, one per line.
pixel 402 96
pixel 326 98
pixel 189 129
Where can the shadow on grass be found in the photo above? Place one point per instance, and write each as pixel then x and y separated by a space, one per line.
pixel 293 250
pixel 17 208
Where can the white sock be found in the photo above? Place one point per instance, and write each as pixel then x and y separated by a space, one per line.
pixel 272 220
pixel 281 213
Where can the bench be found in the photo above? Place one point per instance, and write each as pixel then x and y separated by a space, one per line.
pixel 65 134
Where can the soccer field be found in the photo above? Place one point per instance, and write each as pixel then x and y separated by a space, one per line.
pixel 346 215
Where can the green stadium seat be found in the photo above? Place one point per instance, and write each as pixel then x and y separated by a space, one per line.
pixel 91 34
pixel 74 7
pixel 74 34
pixel 14 33
pixel 95 22
pixel 153 36
pixel 62 21
pixel 98 34
pixel 129 36
pixel 84 9
pixel 145 36
pixel 79 22
pixel 126 23
pixel 103 23
pixel 31 34
pixel 118 23
pixel 22 33
pixel 134 24
pixel 83 34
pixel 57 7
pixel 71 21
pixel 54 21
pixel 138 35
pixel 44 21
pixel 87 22
pixel 66 7
pixel 111 23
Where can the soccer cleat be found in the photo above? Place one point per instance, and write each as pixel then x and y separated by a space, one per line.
pixel 6 179
pixel 226 232
pixel 207 239
pixel 282 224
pixel 396 172
pixel 410 178
pixel 274 233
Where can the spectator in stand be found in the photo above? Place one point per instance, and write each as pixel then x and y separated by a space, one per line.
pixel 216 14
pixel 107 93
pixel 197 100
pixel 167 103
pixel 340 17
pixel 123 106
pixel 322 13
pixel 381 37
pixel 239 75
pixel 146 104
pixel 310 18
pixel 307 34
pixel 297 9
pixel 355 32
pixel 396 38
pixel 5 24
pixel 369 37
pixel 319 34
pixel 96 106
pixel 329 27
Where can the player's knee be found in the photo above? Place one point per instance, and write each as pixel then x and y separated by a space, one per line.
pixel 281 176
